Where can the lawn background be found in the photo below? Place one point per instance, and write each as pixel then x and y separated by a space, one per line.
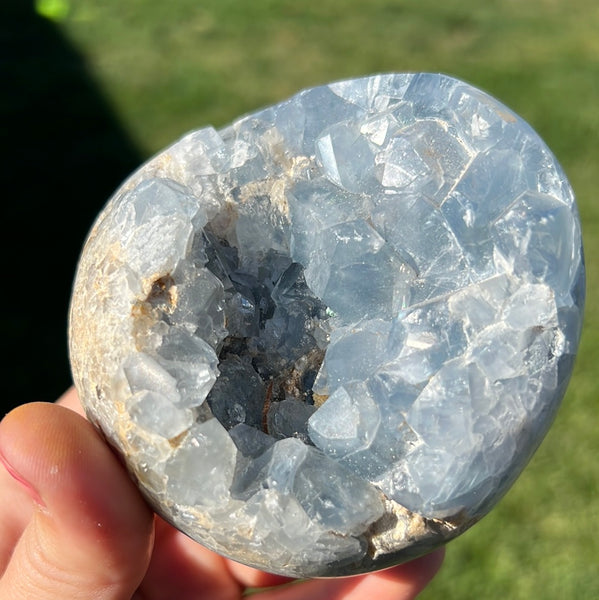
pixel 167 67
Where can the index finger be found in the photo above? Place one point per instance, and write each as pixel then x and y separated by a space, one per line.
pixel 70 399
pixel 403 582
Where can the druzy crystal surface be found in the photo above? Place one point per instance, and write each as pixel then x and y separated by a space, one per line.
pixel 328 337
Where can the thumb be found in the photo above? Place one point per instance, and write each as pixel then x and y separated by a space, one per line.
pixel 90 533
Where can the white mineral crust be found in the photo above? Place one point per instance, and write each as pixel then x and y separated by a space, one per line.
pixel 328 337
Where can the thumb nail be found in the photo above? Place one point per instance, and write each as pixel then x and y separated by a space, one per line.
pixel 31 490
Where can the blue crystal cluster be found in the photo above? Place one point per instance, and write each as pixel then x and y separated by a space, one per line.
pixel 329 337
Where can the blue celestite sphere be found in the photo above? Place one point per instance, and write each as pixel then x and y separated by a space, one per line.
pixel 327 338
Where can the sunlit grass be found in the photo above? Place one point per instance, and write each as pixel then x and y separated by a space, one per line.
pixel 168 67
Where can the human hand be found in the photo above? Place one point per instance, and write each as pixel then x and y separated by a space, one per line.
pixel 73 526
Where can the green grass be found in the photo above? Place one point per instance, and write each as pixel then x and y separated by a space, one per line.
pixel 168 67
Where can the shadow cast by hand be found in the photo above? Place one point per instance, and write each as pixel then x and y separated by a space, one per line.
pixel 64 154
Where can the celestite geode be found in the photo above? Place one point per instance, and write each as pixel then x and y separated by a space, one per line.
pixel 327 338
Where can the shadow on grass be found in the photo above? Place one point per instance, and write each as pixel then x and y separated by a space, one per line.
pixel 64 153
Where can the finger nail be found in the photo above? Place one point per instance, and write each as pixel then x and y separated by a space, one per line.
pixel 33 493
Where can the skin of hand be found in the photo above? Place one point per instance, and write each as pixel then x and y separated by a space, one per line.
pixel 73 525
